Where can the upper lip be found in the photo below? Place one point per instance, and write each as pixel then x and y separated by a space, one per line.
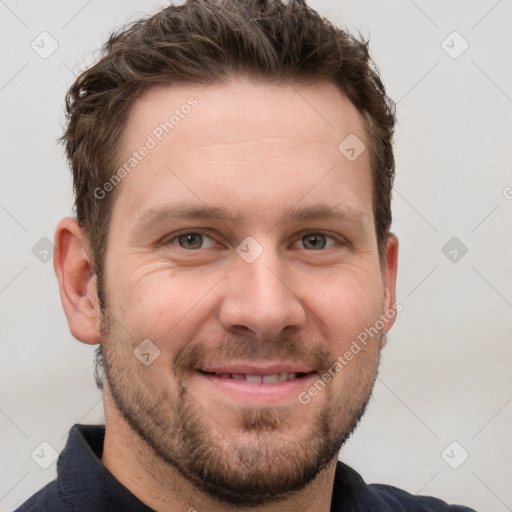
pixel 258 369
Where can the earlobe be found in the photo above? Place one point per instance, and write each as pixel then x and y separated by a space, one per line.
pixel 389 278
pixel 77 281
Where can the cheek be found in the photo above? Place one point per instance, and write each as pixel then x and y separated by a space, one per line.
pixel 348 305
pixel 161 305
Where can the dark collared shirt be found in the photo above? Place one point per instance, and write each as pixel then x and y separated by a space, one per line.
pixel 84 484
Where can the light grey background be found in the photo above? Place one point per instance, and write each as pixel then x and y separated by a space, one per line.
pixel 446 371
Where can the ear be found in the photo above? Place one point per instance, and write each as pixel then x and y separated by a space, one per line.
pixel 389 272
pixel 73 266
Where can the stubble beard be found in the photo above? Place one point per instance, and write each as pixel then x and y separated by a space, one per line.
pixel 262 461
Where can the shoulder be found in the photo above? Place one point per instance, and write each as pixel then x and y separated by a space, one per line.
pixel 352 494
pixel 405 501
pixel 45 500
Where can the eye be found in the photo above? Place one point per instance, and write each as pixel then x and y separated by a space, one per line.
pixel 193 241
pixel 317 241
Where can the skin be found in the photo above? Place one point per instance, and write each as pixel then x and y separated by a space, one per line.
pixel 262 150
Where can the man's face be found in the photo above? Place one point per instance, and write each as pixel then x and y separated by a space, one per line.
pixel 260 275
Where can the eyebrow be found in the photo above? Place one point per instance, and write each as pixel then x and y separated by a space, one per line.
pixel 153 217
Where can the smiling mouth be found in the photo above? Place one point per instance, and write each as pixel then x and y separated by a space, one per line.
pixel 258 379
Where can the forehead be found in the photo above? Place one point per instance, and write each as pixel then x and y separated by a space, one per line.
pixel 242 142
pixel 265 109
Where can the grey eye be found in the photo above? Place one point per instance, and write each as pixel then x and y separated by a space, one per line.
pixel 314 241
pixel 191 241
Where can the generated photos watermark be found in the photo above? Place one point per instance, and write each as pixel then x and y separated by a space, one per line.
pixel 152 140
pixel 343 360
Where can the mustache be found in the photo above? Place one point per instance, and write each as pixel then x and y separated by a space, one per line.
pixel 197 355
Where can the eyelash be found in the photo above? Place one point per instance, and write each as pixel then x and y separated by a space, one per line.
pixel 168 241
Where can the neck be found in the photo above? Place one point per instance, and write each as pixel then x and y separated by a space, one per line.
pixel 157 484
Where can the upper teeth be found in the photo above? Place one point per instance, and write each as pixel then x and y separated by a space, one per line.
pixel 258 379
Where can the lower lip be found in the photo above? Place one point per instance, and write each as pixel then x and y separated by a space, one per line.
pixel 267 394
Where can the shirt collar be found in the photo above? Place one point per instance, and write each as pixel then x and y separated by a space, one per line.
pixel 84 482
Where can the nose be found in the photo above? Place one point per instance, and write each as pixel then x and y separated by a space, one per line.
pixel 260 297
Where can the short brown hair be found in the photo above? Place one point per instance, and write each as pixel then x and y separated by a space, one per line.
pixel 204 41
